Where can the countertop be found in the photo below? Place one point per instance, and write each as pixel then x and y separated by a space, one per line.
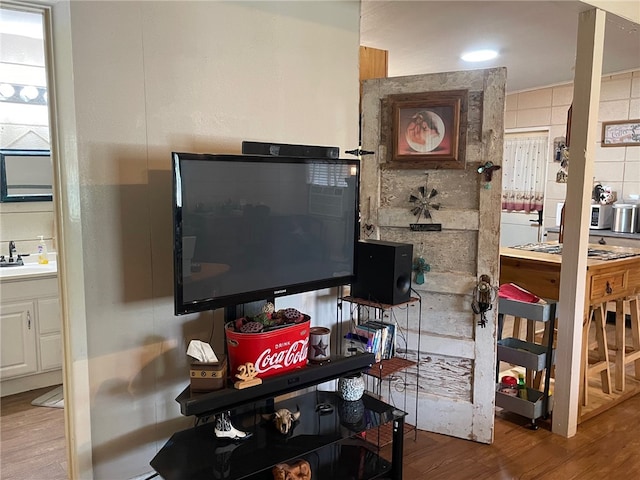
pixel 602 233
pixel 550 252
pixel 31 270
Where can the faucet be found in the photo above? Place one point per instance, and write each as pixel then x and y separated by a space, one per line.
pixel 12 261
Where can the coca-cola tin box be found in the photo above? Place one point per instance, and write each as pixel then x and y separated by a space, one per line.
pixel 272 352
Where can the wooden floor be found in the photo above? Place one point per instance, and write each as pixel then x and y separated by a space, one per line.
pixel 608 446
pixel 598 400
pixel 32 443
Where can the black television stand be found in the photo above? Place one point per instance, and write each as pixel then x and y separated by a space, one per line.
pixel 333 440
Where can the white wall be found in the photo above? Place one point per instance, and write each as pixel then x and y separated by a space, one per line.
pixel 23 222
pixel 137 80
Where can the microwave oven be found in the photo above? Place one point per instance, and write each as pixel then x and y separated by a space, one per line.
pixel 600 217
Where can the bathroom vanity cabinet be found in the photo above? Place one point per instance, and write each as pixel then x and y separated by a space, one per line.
pixel 31 340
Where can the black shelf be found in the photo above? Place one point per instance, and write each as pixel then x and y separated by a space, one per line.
pixel 332 442
pixel 328 441
pixel 393 369
pixel 382 306
pixel 205 404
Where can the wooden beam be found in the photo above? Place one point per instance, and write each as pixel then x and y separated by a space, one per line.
pixel 374 63
pixel 586 97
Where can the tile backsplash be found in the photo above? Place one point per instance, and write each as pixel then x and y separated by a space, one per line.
pixel 618 167
pixel 23 223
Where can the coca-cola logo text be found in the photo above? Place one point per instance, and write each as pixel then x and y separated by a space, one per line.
pixel 296 353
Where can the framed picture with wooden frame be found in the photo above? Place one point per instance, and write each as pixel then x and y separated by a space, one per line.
pixel 426 130
pixel 622 133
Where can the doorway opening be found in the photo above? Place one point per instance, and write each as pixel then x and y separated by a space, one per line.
pixel 32 347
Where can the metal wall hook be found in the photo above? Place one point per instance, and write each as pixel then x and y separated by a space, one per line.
pixel 358 152
pixel 487 169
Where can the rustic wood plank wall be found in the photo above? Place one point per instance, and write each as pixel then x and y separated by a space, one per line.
pixel 448 335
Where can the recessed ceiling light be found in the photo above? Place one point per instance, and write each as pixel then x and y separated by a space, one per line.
pixel 479 55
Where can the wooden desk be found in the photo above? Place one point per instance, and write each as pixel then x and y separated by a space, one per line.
pixel 607 281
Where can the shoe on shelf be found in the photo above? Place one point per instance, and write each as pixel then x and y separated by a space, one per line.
pixel 224 428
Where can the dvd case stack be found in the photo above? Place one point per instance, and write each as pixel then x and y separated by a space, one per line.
pixel 376 337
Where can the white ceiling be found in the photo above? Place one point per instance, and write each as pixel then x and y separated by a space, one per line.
pixel 536 39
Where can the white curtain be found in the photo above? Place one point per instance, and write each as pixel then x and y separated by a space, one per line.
pixel 523 172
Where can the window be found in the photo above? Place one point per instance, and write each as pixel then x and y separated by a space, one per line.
pixel 523 177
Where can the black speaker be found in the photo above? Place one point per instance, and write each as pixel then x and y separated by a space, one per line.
pixel 289 150
pixel 383 271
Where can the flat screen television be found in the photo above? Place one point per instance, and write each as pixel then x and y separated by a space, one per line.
pixel 250 227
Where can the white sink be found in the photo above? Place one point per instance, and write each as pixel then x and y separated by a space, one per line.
pixel 29 270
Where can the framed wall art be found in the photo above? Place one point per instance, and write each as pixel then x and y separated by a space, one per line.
pixel 426 130
pixel 622 133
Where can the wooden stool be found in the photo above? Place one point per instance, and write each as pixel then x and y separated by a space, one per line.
pixel 598 314
pixel 623 357
pixel 517 327
pixel 546 332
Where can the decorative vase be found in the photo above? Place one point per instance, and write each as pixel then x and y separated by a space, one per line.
pixel 351 387
pixel 351 413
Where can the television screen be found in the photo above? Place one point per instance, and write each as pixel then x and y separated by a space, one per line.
pixel 250 228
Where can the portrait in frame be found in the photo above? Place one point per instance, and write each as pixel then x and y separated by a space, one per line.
pixel 426 130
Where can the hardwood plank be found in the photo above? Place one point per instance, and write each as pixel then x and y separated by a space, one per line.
pixel 32 441
pixel 33 447
pixel 605 447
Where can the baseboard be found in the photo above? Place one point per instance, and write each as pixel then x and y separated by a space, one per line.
pixel 146 476
pixel 11 386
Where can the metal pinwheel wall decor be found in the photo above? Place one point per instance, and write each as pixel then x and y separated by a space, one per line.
pixel 423 201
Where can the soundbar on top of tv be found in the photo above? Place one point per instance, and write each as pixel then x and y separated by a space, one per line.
pixel 289 150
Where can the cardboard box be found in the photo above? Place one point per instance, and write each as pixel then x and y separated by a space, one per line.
pixel 208 376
